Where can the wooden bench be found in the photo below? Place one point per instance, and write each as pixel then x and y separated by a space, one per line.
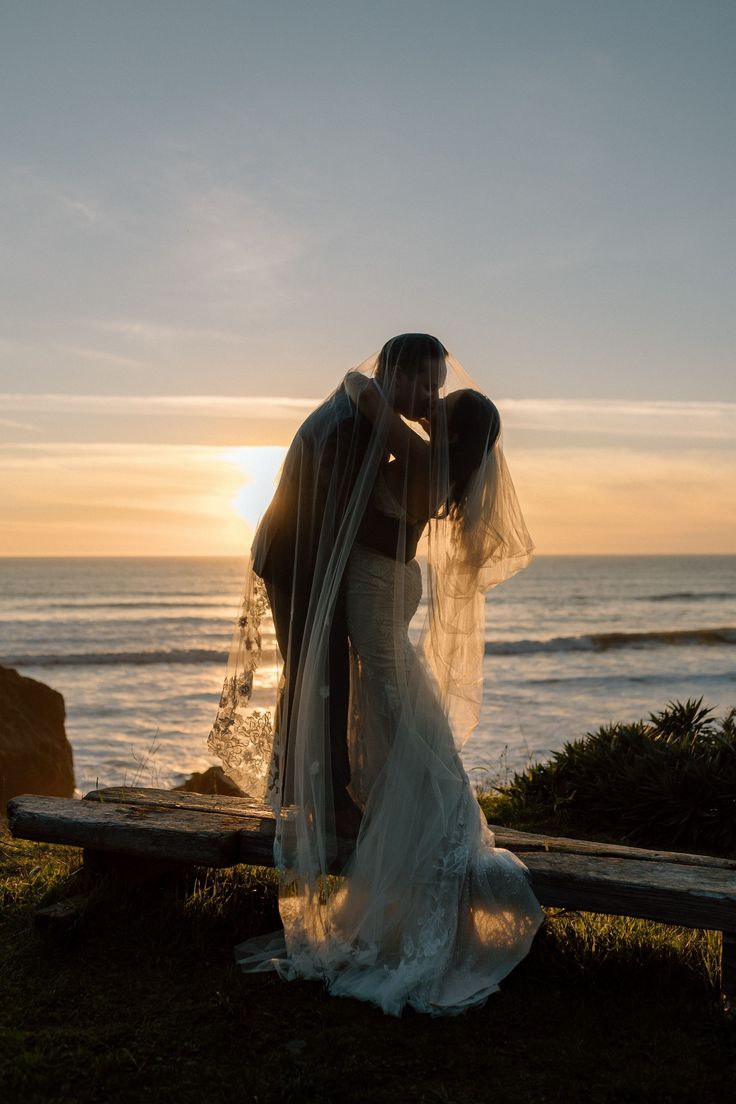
pixel 134 829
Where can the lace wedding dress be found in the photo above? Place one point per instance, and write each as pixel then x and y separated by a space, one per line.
pixel 430 913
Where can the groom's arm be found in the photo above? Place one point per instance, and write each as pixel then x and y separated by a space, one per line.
pixel 318 477
pixel 342 457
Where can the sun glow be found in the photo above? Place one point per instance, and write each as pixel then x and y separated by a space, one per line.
pixel 260 465
pixel 133 500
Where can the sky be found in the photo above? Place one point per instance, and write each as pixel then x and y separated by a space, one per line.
pixel 210 212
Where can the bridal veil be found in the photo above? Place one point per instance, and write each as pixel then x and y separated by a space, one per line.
pixel 355 676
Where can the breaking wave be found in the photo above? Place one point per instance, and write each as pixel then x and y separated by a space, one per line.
pixel 604 642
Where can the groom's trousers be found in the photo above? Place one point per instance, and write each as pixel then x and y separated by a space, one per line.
pixel 290 624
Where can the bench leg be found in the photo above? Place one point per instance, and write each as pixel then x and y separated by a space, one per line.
pixel 131 869
pixel 728 971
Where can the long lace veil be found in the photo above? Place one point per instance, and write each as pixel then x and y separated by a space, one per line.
pixel 296 701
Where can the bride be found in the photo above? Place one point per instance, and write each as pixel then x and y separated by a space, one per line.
pixel 419 907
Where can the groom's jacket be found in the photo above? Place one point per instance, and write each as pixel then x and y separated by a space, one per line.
pixel 292 547
pixel 300 526
pixel 297 533
pixel 296 538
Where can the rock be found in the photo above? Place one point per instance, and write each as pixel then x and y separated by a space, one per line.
pixel 35 754
pixel 62 919
pixel 212 781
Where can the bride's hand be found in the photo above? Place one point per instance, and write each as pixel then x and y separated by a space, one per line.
pixel 355 385
pixel 365 393
pixel 426 425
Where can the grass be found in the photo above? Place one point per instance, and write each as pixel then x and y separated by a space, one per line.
pixel 145 1003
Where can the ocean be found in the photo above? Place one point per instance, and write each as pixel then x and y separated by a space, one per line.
pixel 137 646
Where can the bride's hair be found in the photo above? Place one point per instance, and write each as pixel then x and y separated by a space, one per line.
pixel 475 421
pixel 407 353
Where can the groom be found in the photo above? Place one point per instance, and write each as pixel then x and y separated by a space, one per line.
pixel 321 467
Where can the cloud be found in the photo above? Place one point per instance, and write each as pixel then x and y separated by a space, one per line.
pixel 10 424
pixel 173 406
pixel 154 332
pixel 234 234
pixel 674 421
pixel 106 356
pixel 670 421
pixel 28 190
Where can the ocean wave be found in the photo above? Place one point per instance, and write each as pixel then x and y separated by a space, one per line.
pixel 610 682
pixel 181 602
pixel 603 642
pixel 591 642
pixel 689 596
pixel 103 659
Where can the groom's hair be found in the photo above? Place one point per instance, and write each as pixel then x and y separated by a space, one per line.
pixel 407 353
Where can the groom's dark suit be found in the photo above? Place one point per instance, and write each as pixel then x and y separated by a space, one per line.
pixel 292 547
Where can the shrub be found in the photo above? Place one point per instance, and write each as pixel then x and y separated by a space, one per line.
pixel 666 782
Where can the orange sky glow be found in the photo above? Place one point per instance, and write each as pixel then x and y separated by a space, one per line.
pixel 649 478
pixel 250 204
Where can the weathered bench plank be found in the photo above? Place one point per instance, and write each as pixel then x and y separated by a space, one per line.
pixel 685 895
pixel 184 828
pixel 180 799
pixel 511 838
pixel 182 835
pixel 515 840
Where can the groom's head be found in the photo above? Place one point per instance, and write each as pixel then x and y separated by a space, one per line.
pixel 411 370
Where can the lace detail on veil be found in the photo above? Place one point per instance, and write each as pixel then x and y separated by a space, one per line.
pixel 241 736
pixel 423 910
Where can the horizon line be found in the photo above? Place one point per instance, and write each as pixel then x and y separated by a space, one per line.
pixel 223 404
pixel 236 555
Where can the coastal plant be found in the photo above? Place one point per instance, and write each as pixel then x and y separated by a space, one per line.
pixel 668 782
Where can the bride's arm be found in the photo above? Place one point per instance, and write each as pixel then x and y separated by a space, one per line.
pixel 412 452
pixel 403 442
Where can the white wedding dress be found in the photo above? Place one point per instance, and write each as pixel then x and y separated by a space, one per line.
pixel 429 912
